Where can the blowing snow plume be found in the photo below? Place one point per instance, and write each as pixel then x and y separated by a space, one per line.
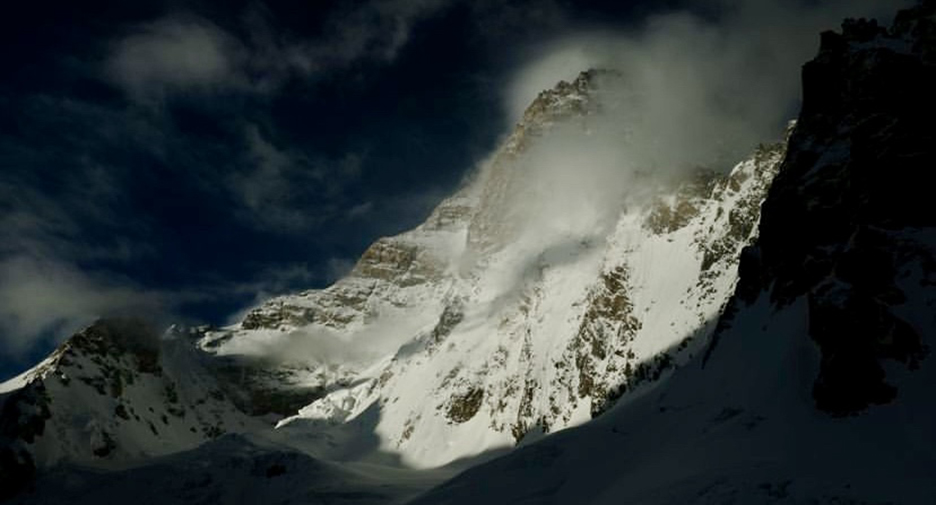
pixel 696 87
pixel 689 90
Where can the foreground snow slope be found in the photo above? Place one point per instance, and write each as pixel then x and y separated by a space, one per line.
pixel 818 385
pixel 233 469
pixel 744 429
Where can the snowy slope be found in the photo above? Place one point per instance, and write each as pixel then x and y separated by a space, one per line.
pixel 586 322
pixel 744 429
pixel 232 469
pixel 116 394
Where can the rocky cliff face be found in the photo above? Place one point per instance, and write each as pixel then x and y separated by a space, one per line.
pixel 849 223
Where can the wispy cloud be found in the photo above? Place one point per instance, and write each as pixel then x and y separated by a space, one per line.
pixel 72 212
pixel 360 210
pixel 285 190
pixel 43 299
pixel 273 179
pixel 374 30
pixel 44 294
pixel 191 54
pixel 176 55
pixel 687 91
pixel 39 224
pixel 693 90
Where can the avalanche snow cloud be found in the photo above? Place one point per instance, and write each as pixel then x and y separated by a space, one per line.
pixel 686 90
pixel 700 85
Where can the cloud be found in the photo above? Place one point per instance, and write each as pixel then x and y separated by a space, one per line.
pixel 693 90
pixel 690 91
pixel 285 190
pixel 360 210
pixel 43 299
pixel 55 217
pixel 45 295
pixel 685 91
pixel 190 54
pixel 740 67
pixel 41 224
pixel 269 185
pixel 317 344
pixel 375 30
pixel 336 268
pixel 173 55
pixel 563 61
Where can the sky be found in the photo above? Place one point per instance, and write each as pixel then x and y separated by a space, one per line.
pixel 185 160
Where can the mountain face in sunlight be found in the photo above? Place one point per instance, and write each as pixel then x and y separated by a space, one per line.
pixel 699 351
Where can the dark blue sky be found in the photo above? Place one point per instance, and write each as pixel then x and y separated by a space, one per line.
pixel 184 159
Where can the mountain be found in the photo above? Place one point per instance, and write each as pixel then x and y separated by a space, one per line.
pixel 503 326
pixel 677 341
pixel 816 387
pixel 495 320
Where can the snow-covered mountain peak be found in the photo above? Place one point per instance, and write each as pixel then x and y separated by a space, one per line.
pixel 529 301
pixel 562 102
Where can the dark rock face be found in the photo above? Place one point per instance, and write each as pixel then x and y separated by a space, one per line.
pixel 851 207
pixel 23 416
pixel 464 407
